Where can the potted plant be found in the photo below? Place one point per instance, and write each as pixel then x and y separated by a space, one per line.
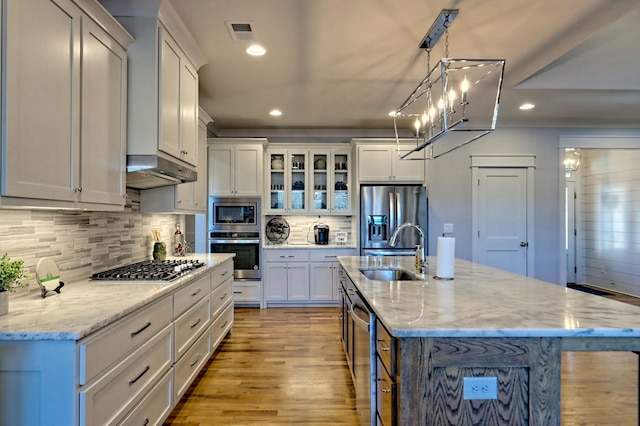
pixel 11 275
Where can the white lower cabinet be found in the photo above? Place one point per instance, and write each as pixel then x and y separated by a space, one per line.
pixel 106 400
pixel 324 273
pixel 247 292
pixel 131 372
pixel 307 276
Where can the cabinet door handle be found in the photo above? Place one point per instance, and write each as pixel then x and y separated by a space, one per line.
pixel 196 359
pixel 224 273
pixel 140 330
pixel 224 325
pixel 195 293
pixel 224 296
pixel 139 376
pixel 196 323
pixel 146 422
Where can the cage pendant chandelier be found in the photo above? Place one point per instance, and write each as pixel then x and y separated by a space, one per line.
pixel 454 104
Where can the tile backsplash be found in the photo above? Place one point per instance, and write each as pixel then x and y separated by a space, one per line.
pixel 301 227
pixel 82 243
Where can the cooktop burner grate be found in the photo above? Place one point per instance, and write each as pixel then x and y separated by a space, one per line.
pixel 149 270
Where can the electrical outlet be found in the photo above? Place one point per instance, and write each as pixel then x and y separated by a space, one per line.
pixel 480 388
pixel 448 228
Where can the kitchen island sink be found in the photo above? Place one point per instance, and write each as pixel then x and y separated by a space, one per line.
pixel 389 274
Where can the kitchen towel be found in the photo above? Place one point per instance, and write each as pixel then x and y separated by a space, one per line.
pixel 445 257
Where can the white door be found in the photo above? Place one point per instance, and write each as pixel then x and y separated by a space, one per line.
pixel 570 229
pixel 501 207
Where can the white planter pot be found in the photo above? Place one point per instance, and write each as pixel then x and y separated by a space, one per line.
pixel 4 302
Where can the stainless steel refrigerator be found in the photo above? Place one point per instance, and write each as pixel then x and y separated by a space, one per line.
pixel 383 209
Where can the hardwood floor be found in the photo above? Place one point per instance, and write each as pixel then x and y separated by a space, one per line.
pixel 286 366
pixel 278 366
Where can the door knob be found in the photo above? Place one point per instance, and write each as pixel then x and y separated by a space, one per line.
pixel 524 244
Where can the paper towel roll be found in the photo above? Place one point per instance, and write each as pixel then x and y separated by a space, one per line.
pixel 446 254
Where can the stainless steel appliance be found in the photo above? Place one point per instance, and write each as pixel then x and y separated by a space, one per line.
pixel 235 227
pixel 321 234
pixel 234 214
pixel 150 270
pixel 383 209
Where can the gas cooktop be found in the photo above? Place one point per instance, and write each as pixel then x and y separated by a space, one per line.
pixel 150 270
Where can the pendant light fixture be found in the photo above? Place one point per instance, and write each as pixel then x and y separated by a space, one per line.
pixel 455 104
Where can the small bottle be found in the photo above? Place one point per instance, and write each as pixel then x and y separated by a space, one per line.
pixel 418 262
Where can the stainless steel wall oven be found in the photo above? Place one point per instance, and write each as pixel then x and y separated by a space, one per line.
pixel 234 227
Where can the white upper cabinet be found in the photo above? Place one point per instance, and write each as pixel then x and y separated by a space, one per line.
pixel 163 81
pixel 178 102
pixel 64 100
pixel 188 197
pixel 235 167
pixel 379 162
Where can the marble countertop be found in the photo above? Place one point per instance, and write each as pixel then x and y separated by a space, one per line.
pixel 486 302
pixel 307 245
pixel 84 307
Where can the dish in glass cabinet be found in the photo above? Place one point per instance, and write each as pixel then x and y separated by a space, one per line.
pixel 277 163
pixel 277 230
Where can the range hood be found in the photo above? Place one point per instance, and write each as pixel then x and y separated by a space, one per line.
pixel 153 171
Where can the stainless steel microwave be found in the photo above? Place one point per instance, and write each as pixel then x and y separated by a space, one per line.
pixel 234 214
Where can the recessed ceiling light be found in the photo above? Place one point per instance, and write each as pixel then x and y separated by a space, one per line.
pixel 256 50
pixel 275 113
pixel 527 106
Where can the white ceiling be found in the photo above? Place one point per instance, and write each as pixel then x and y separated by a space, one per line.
pixel 344 64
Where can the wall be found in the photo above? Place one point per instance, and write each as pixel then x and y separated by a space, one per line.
pixel 609 229
pixel 81 243
pixel 449 191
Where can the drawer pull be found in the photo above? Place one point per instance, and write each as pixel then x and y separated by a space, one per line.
pixel 144 327
pixel 139 376
pixel 224 296
pixel 195 293
pixel 237 292
pixel 383 389
pixel 196 323
pixel 195 361
pixel 330 257
pixel 224 325
pixel 286 257
pixel 224 273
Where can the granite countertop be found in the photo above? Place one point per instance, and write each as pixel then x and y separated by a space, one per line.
pixel 308 245
pixel 84 307
pixel 486 302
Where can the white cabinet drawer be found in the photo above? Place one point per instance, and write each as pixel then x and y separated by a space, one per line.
pixel 247 291
pixel 190 364
pixel 220 297
pixel 104 348
pixel 107 399
pixel 191 294
pixel 284 255
pixel 329 255
pixel 221 326
pixel 190 325
pixel 155 407
pixel 221 274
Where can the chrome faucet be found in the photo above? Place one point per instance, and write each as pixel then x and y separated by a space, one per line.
pixel 394 238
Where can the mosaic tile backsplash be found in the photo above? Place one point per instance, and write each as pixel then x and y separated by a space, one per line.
pixel 301 227
pixel 82 243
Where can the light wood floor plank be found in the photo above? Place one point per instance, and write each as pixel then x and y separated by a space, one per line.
pixel 285 366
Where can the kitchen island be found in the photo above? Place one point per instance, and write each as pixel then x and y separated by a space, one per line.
pixel 112 352
pixel 484 323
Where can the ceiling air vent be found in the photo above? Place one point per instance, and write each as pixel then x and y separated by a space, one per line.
pixel 241 30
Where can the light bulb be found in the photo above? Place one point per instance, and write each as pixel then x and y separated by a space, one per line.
pixel 425 118
pixel 417 126
pixel 464 87
pixel 432 113
pixel 441 104
pixel 452 97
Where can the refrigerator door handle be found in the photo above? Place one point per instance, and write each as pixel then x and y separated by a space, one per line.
pixel 392 216
pixel 398 212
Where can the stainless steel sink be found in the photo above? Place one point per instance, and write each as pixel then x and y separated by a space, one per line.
pixel 389 274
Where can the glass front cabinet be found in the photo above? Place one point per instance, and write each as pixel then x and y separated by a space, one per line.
pixel 330 182
pixel 287 184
